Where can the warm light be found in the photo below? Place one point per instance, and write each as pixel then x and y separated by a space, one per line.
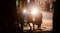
pixel 28 1
pixel 24 11
pixel 31 24
pixel 33 19
pixel 19 25
pixel 34 11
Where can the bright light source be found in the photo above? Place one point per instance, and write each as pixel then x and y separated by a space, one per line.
pixel 34 11
pixel 28 1
pixel 24 11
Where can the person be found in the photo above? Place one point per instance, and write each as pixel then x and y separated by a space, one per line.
pixel 38 20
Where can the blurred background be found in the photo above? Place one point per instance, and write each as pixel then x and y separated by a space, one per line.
pixel 35 15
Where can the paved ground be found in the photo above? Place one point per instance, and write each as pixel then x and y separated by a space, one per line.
pixel 47 24
pixel 37 32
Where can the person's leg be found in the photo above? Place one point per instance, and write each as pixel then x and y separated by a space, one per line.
pixel 39 27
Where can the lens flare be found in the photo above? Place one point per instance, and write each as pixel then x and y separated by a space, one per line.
pixel 34 11
pixel 24 11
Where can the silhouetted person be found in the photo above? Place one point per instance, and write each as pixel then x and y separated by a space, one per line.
pixel 38 19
